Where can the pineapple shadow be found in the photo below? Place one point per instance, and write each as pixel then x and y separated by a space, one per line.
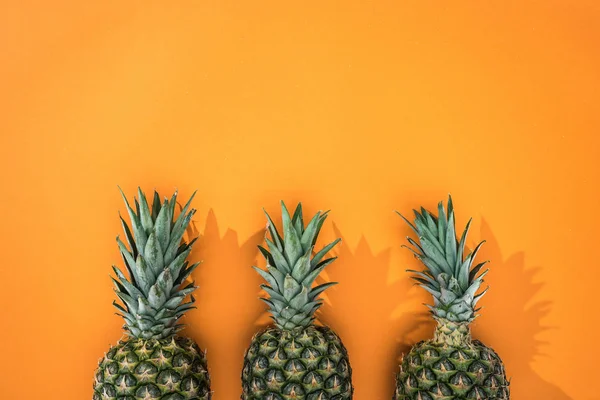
pixel 366 293
pixel 511 320
pixel 227 303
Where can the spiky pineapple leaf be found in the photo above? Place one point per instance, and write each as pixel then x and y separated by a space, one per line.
pixel 297 221
pixel 279 259
pixel 156 205
pixel 317 257
pixel 309 234
pixel 162 226
pixel 138 230
pixel 292 245
pixel 144 212
pixel 275 236
pixel 152 296
pixel 451 278
pixel 292 268
pixel 266 255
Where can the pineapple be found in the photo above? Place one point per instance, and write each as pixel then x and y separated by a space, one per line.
pixel 451 365
pixel 153 362
pixel 294 358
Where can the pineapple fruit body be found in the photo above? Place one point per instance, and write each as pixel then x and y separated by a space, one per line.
pixel 167 369
pixel 307 363
pixel 155 291
pixel 451 366
pixel 294 358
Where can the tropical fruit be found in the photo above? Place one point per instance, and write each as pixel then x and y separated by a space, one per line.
pixel 153 361
pixel 451 365
pixel 294 358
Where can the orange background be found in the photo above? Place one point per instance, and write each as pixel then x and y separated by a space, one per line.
pixel 358 107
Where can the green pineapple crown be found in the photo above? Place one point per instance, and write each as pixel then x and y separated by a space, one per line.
pixel 292 267
pixel 449 275
pixel 153 294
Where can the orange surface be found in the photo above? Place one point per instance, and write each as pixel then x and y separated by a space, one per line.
pixel 359 107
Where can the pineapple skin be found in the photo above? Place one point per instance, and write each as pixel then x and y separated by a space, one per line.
pixel 308 363
pixel 451 366
pixel 166 369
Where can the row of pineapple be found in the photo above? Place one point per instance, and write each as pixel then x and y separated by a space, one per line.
pixel 294 358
